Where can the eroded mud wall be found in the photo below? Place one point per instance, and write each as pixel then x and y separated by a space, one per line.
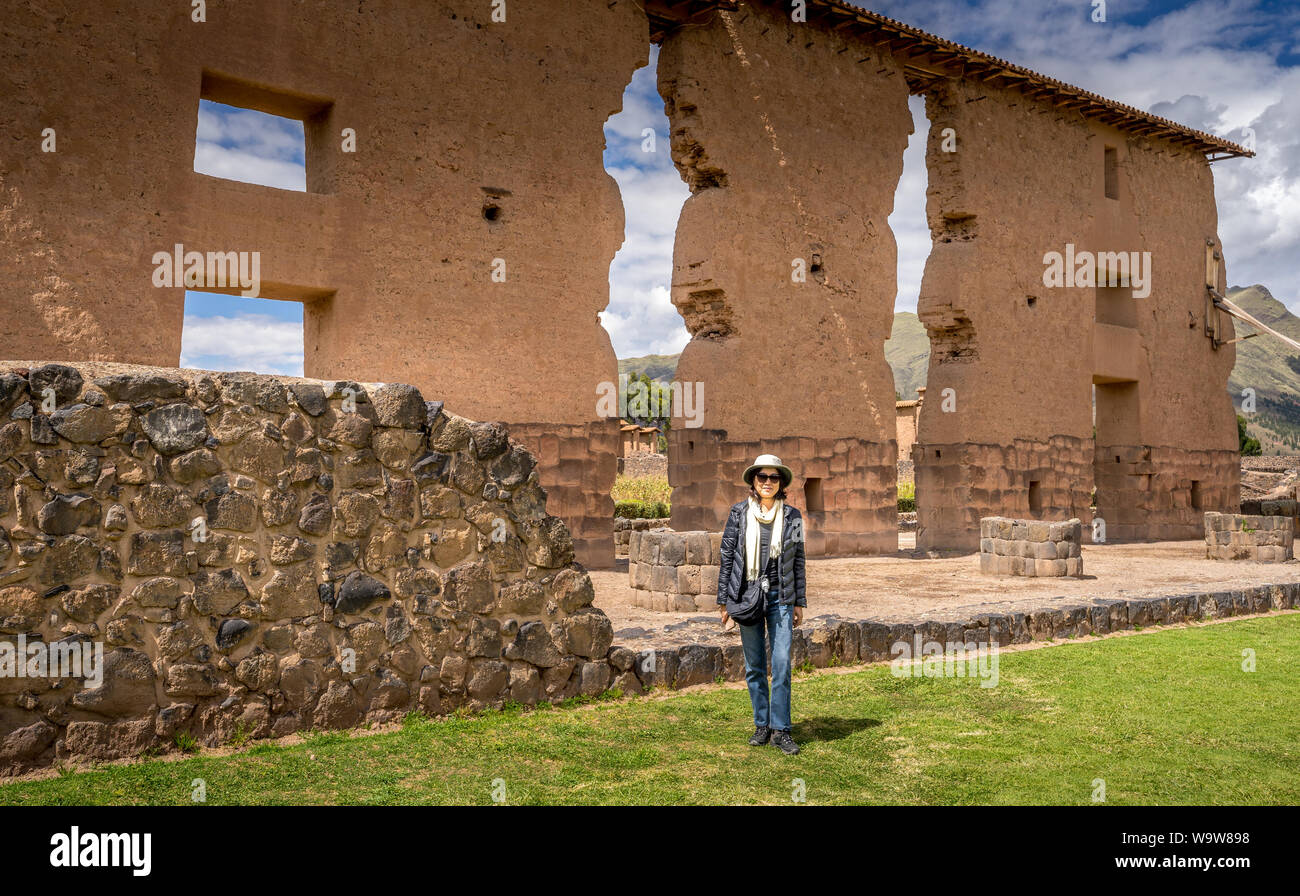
pixel 478 151
pixel 1008 424
pixel 791 137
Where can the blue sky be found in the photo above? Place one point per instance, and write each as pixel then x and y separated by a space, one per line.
pixel 1217 65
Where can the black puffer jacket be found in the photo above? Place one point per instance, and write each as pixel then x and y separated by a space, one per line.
pixel 731 573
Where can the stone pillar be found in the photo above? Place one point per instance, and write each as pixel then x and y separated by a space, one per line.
pixel 791 137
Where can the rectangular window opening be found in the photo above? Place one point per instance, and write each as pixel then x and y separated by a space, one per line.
pixel 1115 305
pixel 1035 498
pixel 255 134
pixel 812 494
pixel 1112 173
pixel 1196 494
pixel 226 332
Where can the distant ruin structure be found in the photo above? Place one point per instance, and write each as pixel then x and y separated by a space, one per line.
pixel 464 246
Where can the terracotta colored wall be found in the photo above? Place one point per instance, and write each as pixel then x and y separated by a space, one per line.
pixel 1021 358
pixel 445 104
pixel 906 416
pixel 791 138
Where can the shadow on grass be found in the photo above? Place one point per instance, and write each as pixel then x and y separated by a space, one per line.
pixel 828 728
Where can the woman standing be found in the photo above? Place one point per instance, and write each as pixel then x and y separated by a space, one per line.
pixel 762 547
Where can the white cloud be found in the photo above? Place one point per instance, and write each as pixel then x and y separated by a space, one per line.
pixel 256 342
pixel 640 317
pixel 251 147
pixel 1211 65
pixel 644 322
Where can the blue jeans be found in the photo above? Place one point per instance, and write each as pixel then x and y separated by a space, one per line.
pixel 772 713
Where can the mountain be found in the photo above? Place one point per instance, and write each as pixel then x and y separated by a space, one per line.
pixel 908 352
pixel 1271 368
pixel 1264 364
pixel 659 368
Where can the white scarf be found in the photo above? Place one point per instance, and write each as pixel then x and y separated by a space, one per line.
pixel 775 516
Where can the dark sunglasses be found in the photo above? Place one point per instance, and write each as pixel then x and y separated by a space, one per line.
pixel 767 477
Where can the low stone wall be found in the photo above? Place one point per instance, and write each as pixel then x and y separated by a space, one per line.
pixel 643 463
pixel 1030 547
pixel 674 571
pixel 1235 536
pixel 623 529
pixel 264 554
pixel 827 641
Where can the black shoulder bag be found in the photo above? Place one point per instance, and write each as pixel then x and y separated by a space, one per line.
pixel 746 609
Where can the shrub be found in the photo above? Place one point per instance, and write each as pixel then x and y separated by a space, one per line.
pixel 641 510
pixel 906 497
pixel 642 488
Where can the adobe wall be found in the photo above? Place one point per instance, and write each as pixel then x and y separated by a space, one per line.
pixel 452 112
pixel 1021 358
pixel 228 538
pixel 779 171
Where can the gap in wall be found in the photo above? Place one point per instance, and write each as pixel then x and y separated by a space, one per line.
pixel 908 348
pixel 640 317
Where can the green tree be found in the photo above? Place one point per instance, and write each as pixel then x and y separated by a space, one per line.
pixel 1250 446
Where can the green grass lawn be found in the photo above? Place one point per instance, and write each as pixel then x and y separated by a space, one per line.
pixel 1163 717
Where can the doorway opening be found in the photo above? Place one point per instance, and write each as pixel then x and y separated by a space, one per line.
pixel 645 329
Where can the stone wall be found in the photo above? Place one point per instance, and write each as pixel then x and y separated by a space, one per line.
pixel 1031 547
pixel 957 483
pixel 674 571
pixel 266 554
pixel 790 137
pixel 1234 536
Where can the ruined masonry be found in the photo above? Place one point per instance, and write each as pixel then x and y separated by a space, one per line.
pixel 1235 536
pixel 674 571
pixel 1031 547
pixel 790 135
pixel 267 555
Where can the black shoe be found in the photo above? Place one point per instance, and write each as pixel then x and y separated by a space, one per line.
pixel 783 740
pixel 761 734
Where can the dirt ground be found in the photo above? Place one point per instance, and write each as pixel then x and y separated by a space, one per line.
pixel 909 586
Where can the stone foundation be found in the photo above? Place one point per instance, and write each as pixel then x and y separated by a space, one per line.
pixel 577 465
pixel 958 485
pixel 266 555
pixel 674 571
pixel 1030 547
pixel 1235 536
pixel 850 507
pixel 1147 493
